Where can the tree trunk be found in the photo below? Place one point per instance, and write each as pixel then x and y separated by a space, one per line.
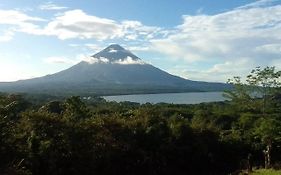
pixel 267 155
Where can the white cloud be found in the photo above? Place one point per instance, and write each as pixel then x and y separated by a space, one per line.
pixel 74 59
pixel 129 60
pixel 253 32
pixel 113 51
pixel 59 60
pixel 139 48
pixel 14 17
pixel 220 72
pixel 93 60
pixel 19 21
pixel 90 60
pixel 136 30
pixel 77 24
pixel 7 36
pixel 104 60
pixel 235 33
pixel 269 48
pixel 51 6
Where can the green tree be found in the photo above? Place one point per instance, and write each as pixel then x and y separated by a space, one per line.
pixel 259 96
pixel 265 82
pixel 75 109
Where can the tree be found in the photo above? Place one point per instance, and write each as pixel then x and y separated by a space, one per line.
pixel 257 92
pixel 240 95
pixel 268 130
pixel 265 82
pixel 75 109
pixel 259 95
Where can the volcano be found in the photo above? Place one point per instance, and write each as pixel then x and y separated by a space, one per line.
pixel 114 70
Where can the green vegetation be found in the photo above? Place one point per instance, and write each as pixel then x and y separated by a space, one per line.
pixel 266 172
pixel 72 136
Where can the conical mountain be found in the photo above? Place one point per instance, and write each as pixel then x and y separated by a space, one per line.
pixel 114 70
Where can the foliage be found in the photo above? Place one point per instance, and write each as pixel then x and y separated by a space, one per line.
pixel 258 102
pixel 77 136
pixel 260 83
pixel 266 172
pixel 71 137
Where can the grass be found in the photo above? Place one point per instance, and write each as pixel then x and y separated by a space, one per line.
pixel 266 172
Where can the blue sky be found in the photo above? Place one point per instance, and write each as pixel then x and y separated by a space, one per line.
pixel 199 40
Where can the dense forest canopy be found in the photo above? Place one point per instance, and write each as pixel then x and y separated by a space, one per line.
pixel 53 135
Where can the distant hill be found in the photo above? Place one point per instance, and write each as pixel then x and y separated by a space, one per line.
pixel 113 70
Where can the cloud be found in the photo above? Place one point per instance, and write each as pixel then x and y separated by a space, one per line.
pixel 93 60
pixel 138 48
pixel 59 60
pixel 51 6
pixel 249 34
pixel 18 22
pixel 236 33
pixel 103 60
pixel 68 25
pixel 77 24
pixel 129 60
pixel 219 72
pixel 136 30
pixel 269 48
pixel 14 17
pixel 112 51
pixel 7 36
pixel 89 59
pixel 253 32
pixel 74 59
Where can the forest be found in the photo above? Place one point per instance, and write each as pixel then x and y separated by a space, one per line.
pixel 46 135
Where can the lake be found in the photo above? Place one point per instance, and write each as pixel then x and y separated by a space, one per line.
pixel 175 98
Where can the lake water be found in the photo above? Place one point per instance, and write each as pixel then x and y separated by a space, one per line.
pixel 175 98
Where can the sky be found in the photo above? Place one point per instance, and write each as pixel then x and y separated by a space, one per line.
pixel 206 40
